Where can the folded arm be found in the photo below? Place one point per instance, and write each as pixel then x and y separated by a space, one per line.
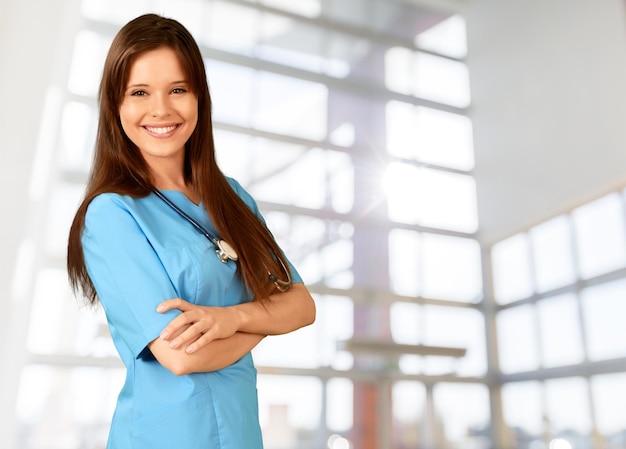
pixel 194 332
pixel 213 356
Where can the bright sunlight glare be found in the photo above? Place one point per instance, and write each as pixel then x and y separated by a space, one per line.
pixel 560 443
pixel 338 442
pixel 396 178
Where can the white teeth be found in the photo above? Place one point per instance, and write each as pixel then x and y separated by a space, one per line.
pixel 162 130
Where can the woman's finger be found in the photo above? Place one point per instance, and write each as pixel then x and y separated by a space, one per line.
pixel 188 336
pixel 176 324
pixel 204 339
pixel 175 303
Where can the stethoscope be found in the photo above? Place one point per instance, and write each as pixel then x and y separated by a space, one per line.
pixel 224 251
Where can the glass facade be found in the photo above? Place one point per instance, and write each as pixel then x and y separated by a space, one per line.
pixel 561 287
pixel 349 122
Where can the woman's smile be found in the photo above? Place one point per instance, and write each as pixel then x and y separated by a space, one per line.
pixel 161 131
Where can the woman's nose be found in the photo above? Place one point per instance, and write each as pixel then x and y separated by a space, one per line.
pixel 160 105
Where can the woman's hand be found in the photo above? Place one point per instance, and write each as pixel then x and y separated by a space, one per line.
pixel 199 324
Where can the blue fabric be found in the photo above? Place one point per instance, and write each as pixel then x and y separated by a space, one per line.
pixel 139 252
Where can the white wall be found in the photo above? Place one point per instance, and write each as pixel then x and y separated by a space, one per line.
pixel 34 55
pixel 549 106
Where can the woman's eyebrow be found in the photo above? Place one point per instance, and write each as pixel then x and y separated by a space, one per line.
pixel 130 86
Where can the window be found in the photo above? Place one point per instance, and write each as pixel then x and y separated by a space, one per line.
pixel 600 236
pixel 560 287
pixel 517 339
pixel 552 254
pixel 512 277
pixel 603 306
pixel 309 98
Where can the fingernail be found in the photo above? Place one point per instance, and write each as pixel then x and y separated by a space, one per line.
pixel 190 349
pixel 164 335
pixel 160 308
pixel 174 344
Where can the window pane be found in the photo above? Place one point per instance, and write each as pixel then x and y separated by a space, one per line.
pixel 293 175
pixel 517 339
pixel 404 262
pixel 561 340
pixel 459 328
pixel 447 258
pixel 604 310
pixel 609 398
pixel 354 12
pixel 522 407
pixel 235 155
pixel 289 410
pixel 552 254
pixel 451 203
pixel 313 346
pixel 308 8
pixel 429 135
pixel 407 323
pixel 402 19
pixel 286 173
pixel 399 75
pixel 343 135
pixel 442 80
pixel 66 407
pixel 600 235
pixel 427 76
pixel 510 261
pixel 64 201
pixel 77 134
pixel 401 182
pixel 297 349
pixel 342 52
pixel 321 250
pixel 567 406
pixel 291 43
pixel 90 50
pixel 408 405
pixel 335 322
pixel 464 410
pixel 431 198
pixel 286 105
pixel 58 326
pixel 340 400
pixel 222 18
pixel 340 181
pixel 444 139
pixel 231 92
pixel 448 37
pixel 114 11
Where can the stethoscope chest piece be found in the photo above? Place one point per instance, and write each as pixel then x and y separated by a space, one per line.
pixel 225 252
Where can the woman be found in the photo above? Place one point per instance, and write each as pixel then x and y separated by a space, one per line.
pixel 183 320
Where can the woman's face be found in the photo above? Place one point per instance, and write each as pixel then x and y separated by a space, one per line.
pixel 159 112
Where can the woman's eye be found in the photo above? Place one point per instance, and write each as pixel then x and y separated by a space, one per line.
pixel 138 93
pixel 179 90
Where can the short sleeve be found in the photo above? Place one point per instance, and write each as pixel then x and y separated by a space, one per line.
pixel 249 200
pixel 127 273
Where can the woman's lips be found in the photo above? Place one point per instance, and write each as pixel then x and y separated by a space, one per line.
pixel 161 130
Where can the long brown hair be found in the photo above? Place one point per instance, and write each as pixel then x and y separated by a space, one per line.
pixel 119 167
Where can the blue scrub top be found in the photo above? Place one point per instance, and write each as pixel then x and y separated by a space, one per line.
pixel 139 252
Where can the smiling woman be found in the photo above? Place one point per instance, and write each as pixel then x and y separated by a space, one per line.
pixel 159 113
pixel 183 321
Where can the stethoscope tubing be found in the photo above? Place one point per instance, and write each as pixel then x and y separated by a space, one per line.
pixel 222 254
pixel 183 214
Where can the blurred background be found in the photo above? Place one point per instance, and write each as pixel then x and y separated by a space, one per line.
pixel 447 175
